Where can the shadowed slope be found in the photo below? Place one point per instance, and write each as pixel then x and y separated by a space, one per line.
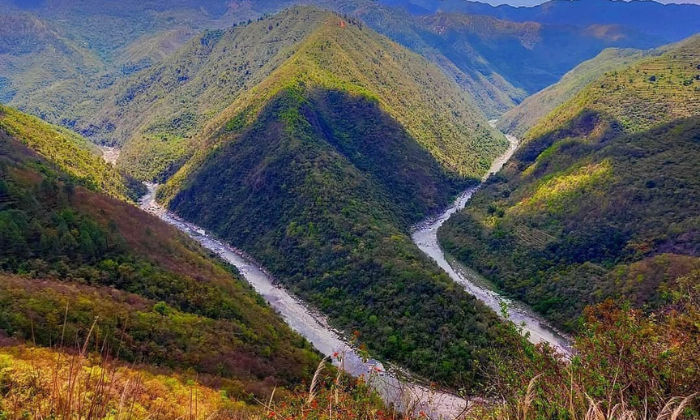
pixel 322 187
pixel 601 200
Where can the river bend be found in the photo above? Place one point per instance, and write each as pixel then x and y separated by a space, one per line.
pixel 424 235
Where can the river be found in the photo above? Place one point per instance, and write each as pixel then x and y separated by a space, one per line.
pixel 425 237
pixel 389 383
pixel 394 386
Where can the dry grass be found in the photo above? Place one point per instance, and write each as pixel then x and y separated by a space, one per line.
pixel 40 383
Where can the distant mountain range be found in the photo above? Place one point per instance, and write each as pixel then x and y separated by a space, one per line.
pixel 497 62
pixel 670 22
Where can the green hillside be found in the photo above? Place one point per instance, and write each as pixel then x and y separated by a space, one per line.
pixel 72 255
pixel 521 118
pixel 319 172
pixel 72 154
pixel 156 114
pixel 601 201
pixel 42 70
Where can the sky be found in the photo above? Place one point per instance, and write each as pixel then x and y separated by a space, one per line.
pixel 536 2
pixel 34 3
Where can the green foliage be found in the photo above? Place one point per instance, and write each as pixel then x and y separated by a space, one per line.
pixel 71 153
pixel 627 364
pixel 167 113
pixel 590 211
pixel 322 189
pixel 520 119
pixel 157 295
pixel 627 101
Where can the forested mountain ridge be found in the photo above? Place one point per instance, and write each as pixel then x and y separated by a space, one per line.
pixel 649 92
pixel 601 200
pixel 319 172
pixel 498 62
pixel 520 119
pixel 72 154
pixel 529 55
pixel 670 22
pixel 73 255
pixel 42 69
pixel 157 113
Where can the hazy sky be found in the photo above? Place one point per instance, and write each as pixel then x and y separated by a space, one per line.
pixel 536 2
pixel 34 3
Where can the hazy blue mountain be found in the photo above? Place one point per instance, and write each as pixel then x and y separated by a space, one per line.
pixel 672 22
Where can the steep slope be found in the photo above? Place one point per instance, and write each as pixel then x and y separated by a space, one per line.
pixel 319 172
pixel 491 92
pixel 42 70
pixel 58 57
pixel 521 118
pixel 601 201
pixel 670 22
pixel 530 56
pixel 156 113
pixel 71 256
pixel 161 110
pixel 71 153
pixel 105 27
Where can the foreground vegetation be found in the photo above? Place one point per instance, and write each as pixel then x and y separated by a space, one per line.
pixel 628 365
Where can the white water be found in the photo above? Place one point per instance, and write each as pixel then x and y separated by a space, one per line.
pixel 391 385
pixel 425 237
pixel 110 154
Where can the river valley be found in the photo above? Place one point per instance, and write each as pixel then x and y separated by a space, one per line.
pixel 425 237
pixel 394 386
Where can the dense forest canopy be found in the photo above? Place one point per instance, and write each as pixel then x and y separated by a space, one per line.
pixel 312 145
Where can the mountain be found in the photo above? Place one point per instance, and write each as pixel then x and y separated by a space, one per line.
pixel 530 56
pixel 492 93
pixel 670 22
pixel 105 27
pixel 73 155
pixel 58 56
pixel 71 256
pixel 498 62
pixel 521 118
pixel 36 58
pixel 600 201
pixel 320 170
pixel 156 114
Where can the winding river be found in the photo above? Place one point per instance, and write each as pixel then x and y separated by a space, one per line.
pixel 390 383
pixel 425 237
